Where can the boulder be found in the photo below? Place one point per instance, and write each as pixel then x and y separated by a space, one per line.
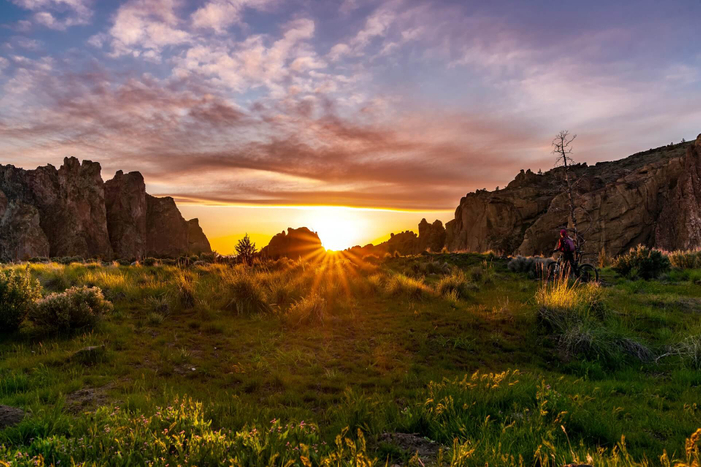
pixel 10 416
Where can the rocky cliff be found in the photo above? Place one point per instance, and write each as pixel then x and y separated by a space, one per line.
pixel 49 212
pixel 296 243
pixel 651 198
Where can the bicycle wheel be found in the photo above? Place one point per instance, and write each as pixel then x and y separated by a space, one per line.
pixel 588 273
pixel 552 271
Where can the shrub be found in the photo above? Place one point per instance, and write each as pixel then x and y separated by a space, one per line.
pixel 246 296
pixel 642 262
pixel 150 262
pixel 690 259
pixel 76 308
pixel 17 294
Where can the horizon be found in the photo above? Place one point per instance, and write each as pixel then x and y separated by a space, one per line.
pixel 354 119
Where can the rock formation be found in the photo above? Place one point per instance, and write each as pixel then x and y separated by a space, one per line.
pixel 653 198
pixel 197 241
pixel 125 199
pixel 297 243
pixel 431 236
pixel 49 212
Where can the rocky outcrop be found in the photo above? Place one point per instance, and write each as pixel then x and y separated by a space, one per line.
pixel 20 231
pixel 197 241
pixel 296 243
pixel 70 202
pixel 679 225
pixel 431 236
pixel 70 212
pixel 166 230
pixel 651 198
pixel 125 199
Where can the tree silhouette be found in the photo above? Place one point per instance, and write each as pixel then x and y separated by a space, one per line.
pixel 562 147
pixel 246 250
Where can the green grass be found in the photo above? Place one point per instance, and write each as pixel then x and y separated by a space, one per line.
pixel 236 362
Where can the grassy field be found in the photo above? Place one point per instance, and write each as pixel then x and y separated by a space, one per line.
pixel 325 362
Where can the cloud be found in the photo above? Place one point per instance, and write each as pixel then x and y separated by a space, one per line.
pixel 220 14
pixel 257 61
pixel 70 13
pixel 147 25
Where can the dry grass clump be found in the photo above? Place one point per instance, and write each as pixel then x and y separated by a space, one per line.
pixel 688 350
pixel 574 312
pixel 307 310
pixel 184 289
pixel 455 286
pixel 401 285
pixel 245 296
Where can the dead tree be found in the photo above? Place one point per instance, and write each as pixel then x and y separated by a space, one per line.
pixel 562 147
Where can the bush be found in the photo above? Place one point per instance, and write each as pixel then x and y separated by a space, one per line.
pixel 690 259
pixel 150 262
pixel 76 308
pixel 642 262
pixel 17 294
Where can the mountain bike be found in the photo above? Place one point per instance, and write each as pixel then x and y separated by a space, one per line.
pixel 584 272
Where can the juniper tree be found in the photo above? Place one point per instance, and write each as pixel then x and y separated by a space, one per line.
pixel 246 250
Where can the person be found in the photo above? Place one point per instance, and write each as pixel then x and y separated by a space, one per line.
pixel 565 245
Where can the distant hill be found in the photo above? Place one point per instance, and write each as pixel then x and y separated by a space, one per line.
pixel 70 211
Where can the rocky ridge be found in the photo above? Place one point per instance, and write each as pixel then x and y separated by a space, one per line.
pixel 651 198
pixel 70 211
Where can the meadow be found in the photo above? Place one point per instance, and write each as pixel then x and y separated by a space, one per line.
pixel 435 359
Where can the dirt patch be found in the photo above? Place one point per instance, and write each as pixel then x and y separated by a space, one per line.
pixel 86 400
pixel 412 444
pixel 10 416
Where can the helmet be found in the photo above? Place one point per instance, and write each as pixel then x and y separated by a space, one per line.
pixel 563 232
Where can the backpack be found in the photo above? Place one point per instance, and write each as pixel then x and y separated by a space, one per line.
pixel 568 245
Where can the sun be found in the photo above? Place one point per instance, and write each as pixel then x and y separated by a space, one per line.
pixel 336 232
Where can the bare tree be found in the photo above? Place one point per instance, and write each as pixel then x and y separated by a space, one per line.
pixel 562 147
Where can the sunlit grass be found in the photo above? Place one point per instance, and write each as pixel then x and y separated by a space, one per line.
pixel 381 345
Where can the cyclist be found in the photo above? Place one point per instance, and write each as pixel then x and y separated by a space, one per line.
pixel 565 245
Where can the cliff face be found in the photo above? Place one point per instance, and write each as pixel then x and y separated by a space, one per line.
pixel 70 212
pixel 651 198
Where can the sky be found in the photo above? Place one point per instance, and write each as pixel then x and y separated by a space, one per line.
pixel 355 118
